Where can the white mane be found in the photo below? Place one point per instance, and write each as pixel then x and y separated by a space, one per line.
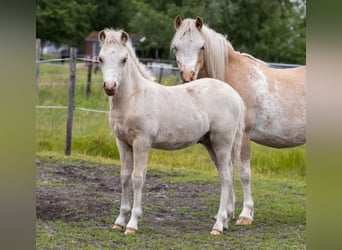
pixel 216 52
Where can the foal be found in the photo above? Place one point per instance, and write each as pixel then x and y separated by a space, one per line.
pixel 144 114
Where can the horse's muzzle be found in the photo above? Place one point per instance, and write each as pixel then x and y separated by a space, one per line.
pixel 109 88
pixel 187 76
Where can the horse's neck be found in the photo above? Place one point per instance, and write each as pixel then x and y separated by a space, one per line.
pixel 203 73
pixel 132 83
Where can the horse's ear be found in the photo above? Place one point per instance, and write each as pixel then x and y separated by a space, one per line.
pixel 124 37
pixel 177 22
pixel 101 36
pixel 199 23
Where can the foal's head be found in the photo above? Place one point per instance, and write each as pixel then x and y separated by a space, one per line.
pixel 188 45
pixel 113 57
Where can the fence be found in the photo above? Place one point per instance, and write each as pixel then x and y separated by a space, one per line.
pixel 158 67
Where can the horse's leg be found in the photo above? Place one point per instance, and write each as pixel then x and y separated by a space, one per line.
pixel 219 150
pixel 126 158
pixel 140 151
pixel 226 171
pixel 231 203
pixel 246 216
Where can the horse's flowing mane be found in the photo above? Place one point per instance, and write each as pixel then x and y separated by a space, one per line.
pixel 216 51
pixel 114 36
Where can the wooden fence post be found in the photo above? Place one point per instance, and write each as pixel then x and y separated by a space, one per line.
pixel 161 74
pixel 73 54
pixel 90 66
pixel 37 65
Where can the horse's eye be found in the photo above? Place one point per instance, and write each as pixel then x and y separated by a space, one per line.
pixel 203 47
pixel 174 49
pixel 124 60
pixel 100 60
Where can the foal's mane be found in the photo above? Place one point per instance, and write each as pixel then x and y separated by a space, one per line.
pixel 114 36
pixel 216 46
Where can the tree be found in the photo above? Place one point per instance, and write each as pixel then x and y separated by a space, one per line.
pixel 63 21
pixel 155 25
pixel 273 31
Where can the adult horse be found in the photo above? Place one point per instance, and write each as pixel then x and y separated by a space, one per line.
pixel 274 98
pixel 144 114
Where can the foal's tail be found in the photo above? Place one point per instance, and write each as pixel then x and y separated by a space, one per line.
pixel 236 150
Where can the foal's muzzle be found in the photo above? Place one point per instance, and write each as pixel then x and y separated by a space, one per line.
pixel 109 88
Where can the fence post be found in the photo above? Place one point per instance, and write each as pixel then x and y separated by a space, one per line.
pixel 73 52
pixel 90 66
pixel 161 74
pixel 37 65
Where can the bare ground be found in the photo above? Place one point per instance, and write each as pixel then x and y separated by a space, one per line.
pixel 84 191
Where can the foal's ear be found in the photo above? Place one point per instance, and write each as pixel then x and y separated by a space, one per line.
pixel 124 37
pixel 101 36
pixel 177 22
pixel 199 23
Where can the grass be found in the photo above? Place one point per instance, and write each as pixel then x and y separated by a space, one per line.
pixel 278 179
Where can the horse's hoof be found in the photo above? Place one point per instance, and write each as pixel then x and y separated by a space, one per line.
pixel 215 232
pixel 118 227
pixel 130 231
pixel 244 221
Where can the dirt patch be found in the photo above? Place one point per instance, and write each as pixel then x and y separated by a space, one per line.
pixel 84 191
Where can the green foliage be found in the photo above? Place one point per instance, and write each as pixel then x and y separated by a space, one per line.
pixel 273 31
pixel 69 22
pixel 63 21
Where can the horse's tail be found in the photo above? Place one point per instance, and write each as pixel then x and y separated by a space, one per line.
pixel 236 150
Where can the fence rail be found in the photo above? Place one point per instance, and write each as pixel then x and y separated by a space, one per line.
pixel 66 107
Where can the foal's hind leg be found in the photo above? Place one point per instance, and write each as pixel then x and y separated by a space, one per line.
pixel 126 158
pixel 246 216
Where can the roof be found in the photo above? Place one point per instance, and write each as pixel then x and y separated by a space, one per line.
pixel 92 37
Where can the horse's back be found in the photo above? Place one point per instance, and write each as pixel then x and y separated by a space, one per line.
pixel 222 103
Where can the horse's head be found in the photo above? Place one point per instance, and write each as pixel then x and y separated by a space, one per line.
pixel 112 57
pixel 188 46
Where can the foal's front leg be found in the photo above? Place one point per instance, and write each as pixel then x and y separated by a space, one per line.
pixel 140 151
pixel 126 158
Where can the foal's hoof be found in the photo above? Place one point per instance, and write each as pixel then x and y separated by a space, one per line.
pixel 244 221
pixel 118 227
pixel 130 231
pixel 215 232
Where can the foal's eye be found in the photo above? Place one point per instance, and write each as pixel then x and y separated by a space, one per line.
pixel 123 61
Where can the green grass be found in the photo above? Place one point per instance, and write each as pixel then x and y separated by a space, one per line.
pixel 92 135
pixel 278 178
